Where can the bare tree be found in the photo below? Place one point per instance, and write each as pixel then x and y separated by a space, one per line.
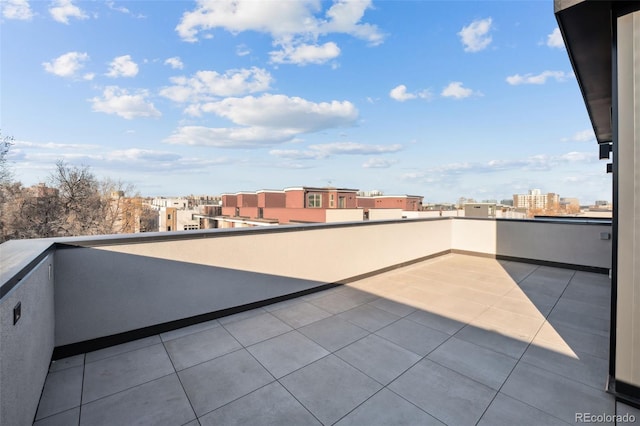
pixel 74 203
pixel 5 144
pixel 81 205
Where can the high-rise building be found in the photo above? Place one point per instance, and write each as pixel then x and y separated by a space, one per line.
pixel 536 200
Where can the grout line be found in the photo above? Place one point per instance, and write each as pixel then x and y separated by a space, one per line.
pixel 179 381
pixel 525 351
pixel 84 363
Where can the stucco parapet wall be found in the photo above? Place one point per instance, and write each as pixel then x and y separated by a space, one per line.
pixel 17 257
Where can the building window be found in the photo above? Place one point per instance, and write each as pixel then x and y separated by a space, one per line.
pixel 314 201
pixel 342 202
pixel 169 216
pixel 331 200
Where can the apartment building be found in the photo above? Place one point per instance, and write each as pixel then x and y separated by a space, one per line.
pixel 536 200
pixel 404 202
pixel 290 205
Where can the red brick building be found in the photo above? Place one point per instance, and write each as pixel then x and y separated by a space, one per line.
pixel 306 204
pixel 404 202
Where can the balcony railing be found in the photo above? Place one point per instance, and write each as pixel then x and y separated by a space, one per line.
pixel 66 296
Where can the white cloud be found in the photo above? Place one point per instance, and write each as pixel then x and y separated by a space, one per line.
pixel 242 50
pixel 555 39
pixel 457 91
pixel 540 162
pixel 137 154
pixel 122 66
pixel 578 157
pixel 239 137
pixel 283 20
pixel 319 151
pixel 205 85
pixel 378 163
pixel 354 148
pixel 304 54
pixel 268 120
pixel 282 112
pixel 54 145
pixel 541 78
pixel 66 65
pixel 400 94
pixel 62 10
pixel 175 63
pixel 586 135
pixel 111 5
pixel 17 9
pixel 475 36
pixel 296 154
pixel 118 101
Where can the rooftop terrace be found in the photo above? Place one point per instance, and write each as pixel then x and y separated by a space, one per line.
pixel 454 340
pixel 437 321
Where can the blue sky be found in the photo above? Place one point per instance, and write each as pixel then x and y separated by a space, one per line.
pixel 440 99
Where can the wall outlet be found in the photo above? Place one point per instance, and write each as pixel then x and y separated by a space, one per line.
pixel 605 236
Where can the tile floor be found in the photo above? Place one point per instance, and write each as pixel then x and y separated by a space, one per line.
pixel 455 340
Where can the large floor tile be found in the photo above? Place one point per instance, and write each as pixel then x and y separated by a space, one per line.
pixel 563 339
pixel 343 300
pixel 626 411
pixel 270 405
pixel 214 383
pixel 185 331
pixel 392 306
pixel 120 349
pixel 494 340
pixel 521 327
pixel 387 408
pixel 257 328
pixel 66 418
pixel 120 372
pixel 522 305
pixel 435 321
pixel 286 353
pixel 456 308
pixel 62 391
pixel 369 317
pixel 579 366
pixel 481 364
pixel 330 388
pixel 64 363
pixel 592 292
pixel 301 314
pixel 506 411
pixel 580 320
pixel 159 402
pixel 546 286
pixel 333 333
pixel 555 394
pixel 202 346
pixel 413 336
pixel 378 358
pixel 446 395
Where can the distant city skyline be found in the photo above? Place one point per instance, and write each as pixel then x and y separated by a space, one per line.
pixel 440 99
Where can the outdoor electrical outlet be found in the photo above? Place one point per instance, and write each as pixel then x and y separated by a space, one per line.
pixel 17 313
pixel 605 236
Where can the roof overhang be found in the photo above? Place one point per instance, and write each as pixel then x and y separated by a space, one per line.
pixel 586 29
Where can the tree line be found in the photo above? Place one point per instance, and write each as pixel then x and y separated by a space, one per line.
pixel 72 202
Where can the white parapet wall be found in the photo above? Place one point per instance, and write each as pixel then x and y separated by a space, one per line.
pixel 26 345
pixel 109 285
